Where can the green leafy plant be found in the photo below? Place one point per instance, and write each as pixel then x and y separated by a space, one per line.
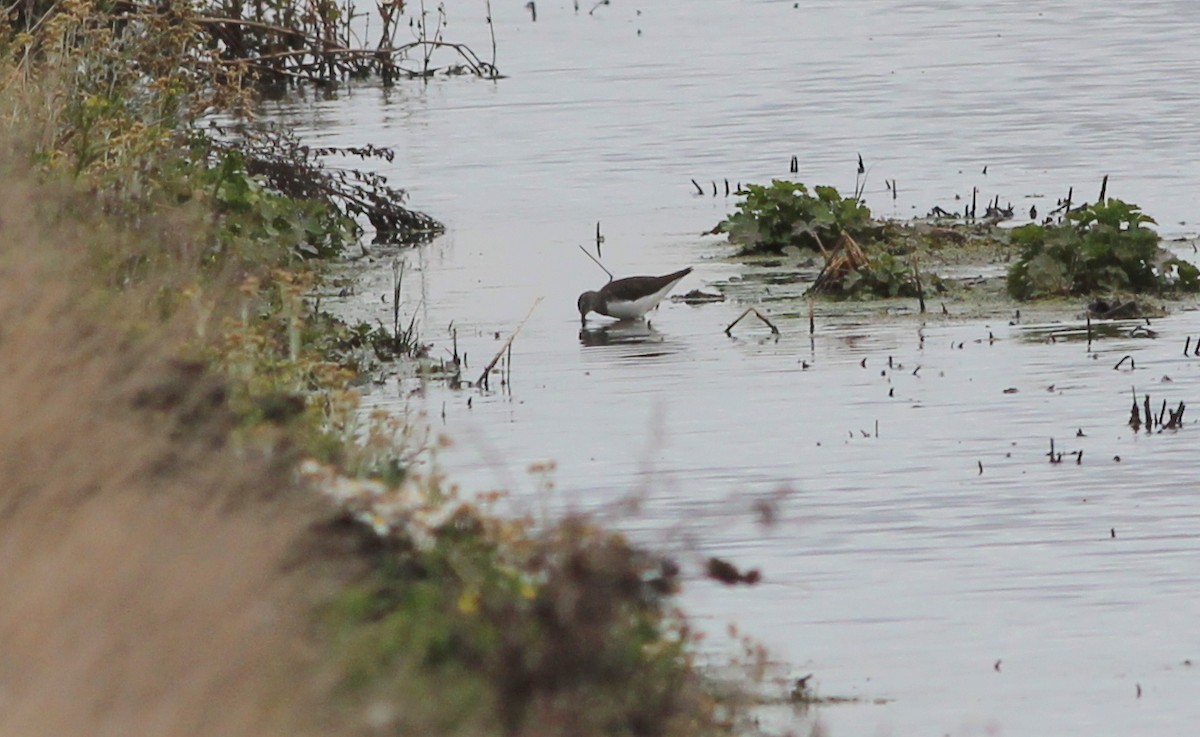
pixel 1101 247
pixel 884 275
pixel 312 228
pixel 785 213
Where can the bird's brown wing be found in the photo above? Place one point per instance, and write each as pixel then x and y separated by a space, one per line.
pixel 632 287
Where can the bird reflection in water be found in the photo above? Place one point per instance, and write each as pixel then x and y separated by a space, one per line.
pixel 622 332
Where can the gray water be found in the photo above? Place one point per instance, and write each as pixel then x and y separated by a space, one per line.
pixel 922 535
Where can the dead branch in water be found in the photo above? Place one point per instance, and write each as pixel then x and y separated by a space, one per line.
pixel 846 257
pixel 1167 419
pixel 482 381
pixel 596 260
pixel 759 315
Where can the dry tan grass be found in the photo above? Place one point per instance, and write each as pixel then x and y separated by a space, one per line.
pixel 153 580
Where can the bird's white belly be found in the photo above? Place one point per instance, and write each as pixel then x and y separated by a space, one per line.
pixel 630 310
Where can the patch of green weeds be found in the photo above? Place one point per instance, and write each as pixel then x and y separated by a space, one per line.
pixel 884 276
pixel 772 217
pixel 1104 247
pixel 568 626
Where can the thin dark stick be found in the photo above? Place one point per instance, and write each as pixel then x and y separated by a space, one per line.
pixel 597 262
pixel 812 321
pixel 920 289
pixel 492 28
pixel 759 315
pixel 1125 358
pixel 974 194
pixel 699 189
pixel 482 381
pixel 1103 190
pixel 599 240
pixel 1187 344
pixel 1089 332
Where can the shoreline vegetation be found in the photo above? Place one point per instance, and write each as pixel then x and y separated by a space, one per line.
pixel 202 532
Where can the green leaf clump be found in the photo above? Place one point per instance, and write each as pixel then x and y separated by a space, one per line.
pixel 772 217
pixel 1104 247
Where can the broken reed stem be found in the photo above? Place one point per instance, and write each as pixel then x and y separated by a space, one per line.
pixel 917 277
pixel 397 282
pixel 812 319
pixel 483 377
pixel 596 260
pixel 759 315
pixel 1089 333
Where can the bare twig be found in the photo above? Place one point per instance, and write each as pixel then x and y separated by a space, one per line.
pixel 482 381
pixel 597 262
pixel 756 313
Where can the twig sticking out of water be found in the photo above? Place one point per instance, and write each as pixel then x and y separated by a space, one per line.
pixel 812 318
pixel 1089 333
pixel 1187 344
pixel 1166 420
pixel 1103 190
pixel 860 180
pixel 920 288
pixel 795 166
pixel 482 381
pixel 1175 421
pixel 1125 358
pixel 699 189
pixel 597 262
pixel 756 313
pixel 403 341
pixel 1057 457
pixel 599 242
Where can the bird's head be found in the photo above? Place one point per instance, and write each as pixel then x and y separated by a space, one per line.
pixel 588 302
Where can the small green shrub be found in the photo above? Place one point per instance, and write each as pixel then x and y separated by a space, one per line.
pixel 784 213
pixel 884 276
pixel 312 228
pixel 1102 247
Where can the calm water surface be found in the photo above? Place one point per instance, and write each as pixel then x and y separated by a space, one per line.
pixel 895 569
